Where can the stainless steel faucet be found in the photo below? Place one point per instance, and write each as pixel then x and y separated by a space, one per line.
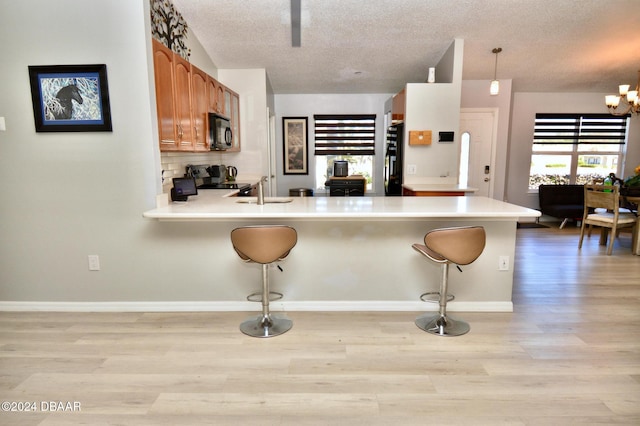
pixel 261 190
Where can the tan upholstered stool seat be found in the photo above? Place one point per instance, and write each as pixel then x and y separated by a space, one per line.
pixel 264 245
pixel 460 246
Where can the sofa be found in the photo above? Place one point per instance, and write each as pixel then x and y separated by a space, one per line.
pixel 562 201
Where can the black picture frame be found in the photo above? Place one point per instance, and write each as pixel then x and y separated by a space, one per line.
pixel 295 151
pixel 70 98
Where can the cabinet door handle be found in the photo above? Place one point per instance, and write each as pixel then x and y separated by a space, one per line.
pixel 180 132
pixel 195 128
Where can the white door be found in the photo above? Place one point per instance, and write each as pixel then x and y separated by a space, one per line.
pixel 273 185
pixel 480 126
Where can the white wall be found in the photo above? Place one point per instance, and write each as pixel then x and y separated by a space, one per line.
pixel 199 57
pixel 307 106
pixel 434 107
pixel 68 195
pixel 251 85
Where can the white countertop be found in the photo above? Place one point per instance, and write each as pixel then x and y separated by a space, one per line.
pixel 212 205
pixel 438 187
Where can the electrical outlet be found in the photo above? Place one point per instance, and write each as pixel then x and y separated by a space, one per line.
pixel 94 262
pixel 412 169
pixel 503 263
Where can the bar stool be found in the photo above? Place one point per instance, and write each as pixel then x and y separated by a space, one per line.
pixel 264 245
pixel 460 246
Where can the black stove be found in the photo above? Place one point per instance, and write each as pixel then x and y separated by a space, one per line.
pixel 226 185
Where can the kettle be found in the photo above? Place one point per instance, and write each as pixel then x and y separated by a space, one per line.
pixel 232 172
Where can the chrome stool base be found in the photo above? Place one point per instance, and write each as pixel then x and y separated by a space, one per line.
pixel 266 326
pixel 442 325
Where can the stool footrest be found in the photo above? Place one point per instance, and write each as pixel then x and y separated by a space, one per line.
pixel 434 297
pixel 257 297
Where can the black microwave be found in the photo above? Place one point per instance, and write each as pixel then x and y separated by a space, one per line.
pixel 220 134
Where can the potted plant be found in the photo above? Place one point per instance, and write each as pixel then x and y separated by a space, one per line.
pixel 631 188
pixel 632 184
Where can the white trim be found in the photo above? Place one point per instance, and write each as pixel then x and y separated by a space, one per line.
pixel 234 306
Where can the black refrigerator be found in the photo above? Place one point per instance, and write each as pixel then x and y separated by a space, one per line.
pixel 393 161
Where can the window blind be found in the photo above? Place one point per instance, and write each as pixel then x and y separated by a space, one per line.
pixel 345 134
pixel 580 129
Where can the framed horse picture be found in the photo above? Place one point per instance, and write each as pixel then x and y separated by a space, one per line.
pixel 70 98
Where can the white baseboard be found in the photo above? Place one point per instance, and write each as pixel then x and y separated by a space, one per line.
pixel 244 306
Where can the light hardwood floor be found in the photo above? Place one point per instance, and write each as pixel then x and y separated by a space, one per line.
pixel 568 354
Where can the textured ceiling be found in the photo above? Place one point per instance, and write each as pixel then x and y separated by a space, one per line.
pixel 377 46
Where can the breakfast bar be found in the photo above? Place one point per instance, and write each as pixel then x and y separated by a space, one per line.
pixel 353 253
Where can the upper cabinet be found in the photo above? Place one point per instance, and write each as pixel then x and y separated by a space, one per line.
pixel 173 97
pixel 182 99
pixel 224 101
pixel 212 94
pixel 232 110
pixel 184 96
pixel 163 70
pixel 200 108
pixel 397 107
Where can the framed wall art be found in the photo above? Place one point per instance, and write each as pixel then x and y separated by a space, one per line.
pixel 70 98
pixel 295 150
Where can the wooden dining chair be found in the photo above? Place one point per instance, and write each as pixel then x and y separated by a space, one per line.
pixel 606 199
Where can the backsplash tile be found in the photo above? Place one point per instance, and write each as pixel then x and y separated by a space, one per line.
pixel 175 163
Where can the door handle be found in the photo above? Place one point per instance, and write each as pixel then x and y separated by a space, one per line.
pixel 487 179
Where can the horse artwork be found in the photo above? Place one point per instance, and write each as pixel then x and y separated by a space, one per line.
pixel 59 94
pixel 60 107
pixel 70 98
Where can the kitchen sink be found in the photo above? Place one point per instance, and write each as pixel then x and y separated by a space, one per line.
pixel 267 200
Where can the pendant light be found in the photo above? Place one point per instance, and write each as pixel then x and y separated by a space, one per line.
pixel 494 89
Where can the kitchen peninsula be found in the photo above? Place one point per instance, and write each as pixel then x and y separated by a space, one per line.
pixel 353 253
pixel 435 190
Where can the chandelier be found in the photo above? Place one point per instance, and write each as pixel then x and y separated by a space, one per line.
pixel 629 98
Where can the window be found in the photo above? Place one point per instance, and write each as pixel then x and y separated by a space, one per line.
pixel 344 137
pixel 576 148
pixel 463 176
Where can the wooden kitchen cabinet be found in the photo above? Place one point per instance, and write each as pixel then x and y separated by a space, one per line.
pixel 182 93
pixel 224 101
pixel 212 94
pixel 232 110
pixel 173 98
pixel 215 96
pixel 220 99
pixel 184 96
pixel 398 107
pixel 200 108
pixel 163 71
